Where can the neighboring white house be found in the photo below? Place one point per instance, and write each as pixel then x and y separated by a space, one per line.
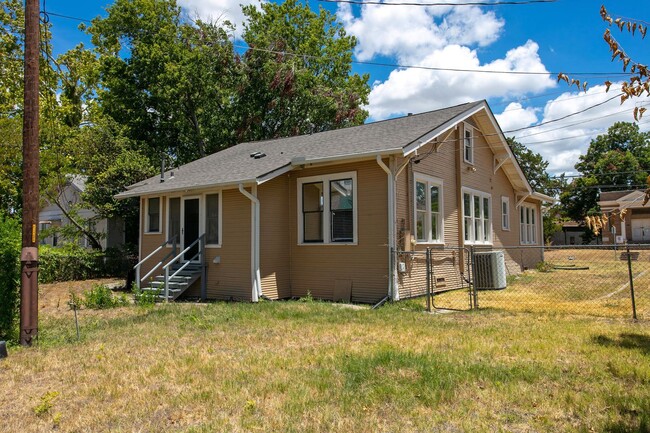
pixel 52 216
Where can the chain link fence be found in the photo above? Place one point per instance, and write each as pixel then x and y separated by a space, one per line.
pixel 605 281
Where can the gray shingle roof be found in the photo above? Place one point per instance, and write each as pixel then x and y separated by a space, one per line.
pixel 235 164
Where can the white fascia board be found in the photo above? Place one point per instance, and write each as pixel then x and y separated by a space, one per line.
pixel 415 145
pixel 300 161
pixel 196 188
pixel 544 198
pixel 274 173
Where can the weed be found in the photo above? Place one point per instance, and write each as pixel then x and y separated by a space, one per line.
pixel 100 297
pixel 46 403
pixel 544 267
pixel 144 298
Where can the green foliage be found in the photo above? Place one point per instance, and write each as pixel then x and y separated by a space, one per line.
pixel 282 94
pixel 144 298
pixel 46 403
pixel 72 262
pixel 534 167
pixel 100 297
pixel 614 161
pixel 544 267
pixel 10 236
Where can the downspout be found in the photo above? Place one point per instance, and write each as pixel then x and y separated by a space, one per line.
pixel 393 291
pixel 255 241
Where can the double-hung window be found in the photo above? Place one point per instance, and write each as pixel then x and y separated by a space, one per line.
pixel 468 144
pixel 327 211
pixel 153 215
pixel 505 213
pixel 477 218
pixel 528 224
pixel 428 209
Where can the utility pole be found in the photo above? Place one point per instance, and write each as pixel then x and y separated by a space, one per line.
pixel 29 253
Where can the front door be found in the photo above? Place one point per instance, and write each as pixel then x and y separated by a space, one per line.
pixel 190 231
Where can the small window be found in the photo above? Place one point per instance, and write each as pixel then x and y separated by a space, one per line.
pixel 477 218
pixel 528 224
pixel 505 213
pixel 153 215
pixel 428 219
pixel 468 145
pixel 212 219
pixel 175 218
pixel 327 209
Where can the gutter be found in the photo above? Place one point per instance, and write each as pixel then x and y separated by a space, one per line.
pixel 255 241
pixel 393 291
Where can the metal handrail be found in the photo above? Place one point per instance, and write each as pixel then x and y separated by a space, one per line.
pixel 138 280
pixel 200 240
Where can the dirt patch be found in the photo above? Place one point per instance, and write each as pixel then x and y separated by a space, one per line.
pixel 53 298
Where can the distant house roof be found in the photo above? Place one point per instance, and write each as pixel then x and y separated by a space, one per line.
pixel 259 161
pixel 622 199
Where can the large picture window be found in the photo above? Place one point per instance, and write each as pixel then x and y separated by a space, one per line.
pixel 477 218
pixel 327 209
pixel 528 224
pixel 428 209
pixel 153 215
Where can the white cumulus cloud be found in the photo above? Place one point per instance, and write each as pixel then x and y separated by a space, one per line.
pixel 416 90
pixel 218 10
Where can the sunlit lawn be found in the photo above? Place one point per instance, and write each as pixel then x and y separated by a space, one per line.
pixel 322 367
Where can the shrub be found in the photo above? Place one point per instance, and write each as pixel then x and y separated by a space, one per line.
pixel 544 267
pixel 10 236
pixel 144 298
pixel 72 262
pixel 100 297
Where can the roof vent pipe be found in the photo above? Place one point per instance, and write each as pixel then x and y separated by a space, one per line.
pixel 162 169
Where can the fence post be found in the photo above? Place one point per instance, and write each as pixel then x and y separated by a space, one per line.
pixel 629 270
pixel 473 295
pixel 429 271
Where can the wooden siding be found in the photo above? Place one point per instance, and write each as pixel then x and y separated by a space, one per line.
pixel 315 268
pixel 151 241
pixel 274 234
pixel 231 278
pixel 480 176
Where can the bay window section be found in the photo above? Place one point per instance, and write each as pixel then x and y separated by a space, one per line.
pixel 528 224
pixel 428 207
pixel 327 209
pixel 477 217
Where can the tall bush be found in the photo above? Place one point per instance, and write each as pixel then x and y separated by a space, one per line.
pixel 10 234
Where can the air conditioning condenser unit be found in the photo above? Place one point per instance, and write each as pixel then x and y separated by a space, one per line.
pixel 489 270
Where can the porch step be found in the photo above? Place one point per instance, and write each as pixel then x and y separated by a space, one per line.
pixel 177 284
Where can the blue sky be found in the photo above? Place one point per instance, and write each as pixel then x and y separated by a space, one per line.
pixel 562 36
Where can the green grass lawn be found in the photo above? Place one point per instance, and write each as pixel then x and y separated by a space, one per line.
pixel 321 367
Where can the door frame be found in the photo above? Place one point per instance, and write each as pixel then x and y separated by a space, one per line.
pixel 199 222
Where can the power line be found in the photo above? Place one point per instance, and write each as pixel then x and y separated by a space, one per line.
pixel 478 3
pixel 68 17
pixel 431 68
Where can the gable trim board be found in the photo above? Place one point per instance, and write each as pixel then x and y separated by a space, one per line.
pixel 287 157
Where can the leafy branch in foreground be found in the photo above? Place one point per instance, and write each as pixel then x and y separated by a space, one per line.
pixel 639 82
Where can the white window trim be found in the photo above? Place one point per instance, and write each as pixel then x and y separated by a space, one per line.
pixel 506 200
pixel 326 178
pixel 535 226
pixel 204 214
pixel 160 216
pixel 429 181
pixel 468 128
pixel 482 195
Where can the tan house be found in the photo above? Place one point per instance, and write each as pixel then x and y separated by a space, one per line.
pixel 321 213
pixel 635 227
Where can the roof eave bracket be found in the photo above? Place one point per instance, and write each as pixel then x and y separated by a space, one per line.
pixel 499 160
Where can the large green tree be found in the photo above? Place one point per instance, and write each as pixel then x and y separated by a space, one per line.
pixel 297 75
pixel 535 168
pixel 170 81
pixel 619 159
